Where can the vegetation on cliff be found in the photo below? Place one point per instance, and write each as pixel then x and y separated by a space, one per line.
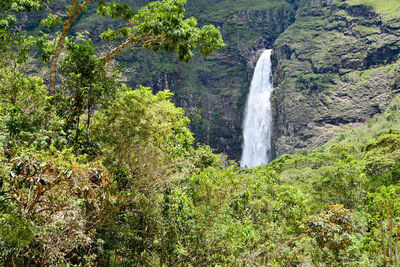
pixel 338 65
pixel 387 7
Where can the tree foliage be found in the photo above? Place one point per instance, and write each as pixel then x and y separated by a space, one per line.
pixel 162 26
pixel 86 87
pixel 50 209
pixel 146 135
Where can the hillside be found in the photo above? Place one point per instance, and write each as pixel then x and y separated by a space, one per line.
pixel 212 90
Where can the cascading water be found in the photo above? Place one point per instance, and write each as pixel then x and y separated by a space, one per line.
pixel 258 118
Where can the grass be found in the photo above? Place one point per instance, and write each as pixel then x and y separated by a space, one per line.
pixel 386 122
pixel 367 30
pixel 390 8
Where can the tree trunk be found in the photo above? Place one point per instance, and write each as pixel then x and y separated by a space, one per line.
pixel 89 116
pixel 390 245
pixel 67 25
pixel 9 261
pixel 396 248
pixel 162 260
pixel 383 243
pixel 77 130
pixel 56 55
pixel 88 128
pixel 116 51
pixel 294 256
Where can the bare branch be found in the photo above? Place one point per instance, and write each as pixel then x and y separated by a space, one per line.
pixel 287 243
pixel 53 12
pixel 254 255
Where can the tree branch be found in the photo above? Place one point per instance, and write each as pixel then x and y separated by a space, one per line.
pixel 287 243
pixel 54 12
pixel 80 10
pixel 252 256
pixel 131 41
pixel 114 52
pixel 67 25
pixel 294 256
pixel 54 60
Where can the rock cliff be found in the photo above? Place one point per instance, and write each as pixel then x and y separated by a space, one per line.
pixel 337 65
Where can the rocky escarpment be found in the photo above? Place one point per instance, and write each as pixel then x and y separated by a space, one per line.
pixel 213 90
pixel 337 65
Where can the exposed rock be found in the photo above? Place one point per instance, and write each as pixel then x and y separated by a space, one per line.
pixel 337 65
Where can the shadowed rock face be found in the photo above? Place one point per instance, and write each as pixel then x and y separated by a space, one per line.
pixel 337 65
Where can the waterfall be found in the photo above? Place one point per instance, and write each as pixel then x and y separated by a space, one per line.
pixel 258 118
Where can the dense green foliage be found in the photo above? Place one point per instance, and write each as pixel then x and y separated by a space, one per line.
pixel 103 175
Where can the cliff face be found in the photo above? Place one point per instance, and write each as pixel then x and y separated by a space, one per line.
pixel 337 65
pixel 213 90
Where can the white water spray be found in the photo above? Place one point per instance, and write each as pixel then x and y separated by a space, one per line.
pixel 258 118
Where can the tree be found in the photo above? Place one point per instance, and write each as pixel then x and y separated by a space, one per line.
pixel 383 215
pixel 145 134
pixel 330 229
pixel 87 85
pixel 160 26
pixel 51 206
pixel 26 117
pixel 342 181
pixel 145 144
pixel 14 44
pixel 10 9
pixel 382 160
pixel 73 12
